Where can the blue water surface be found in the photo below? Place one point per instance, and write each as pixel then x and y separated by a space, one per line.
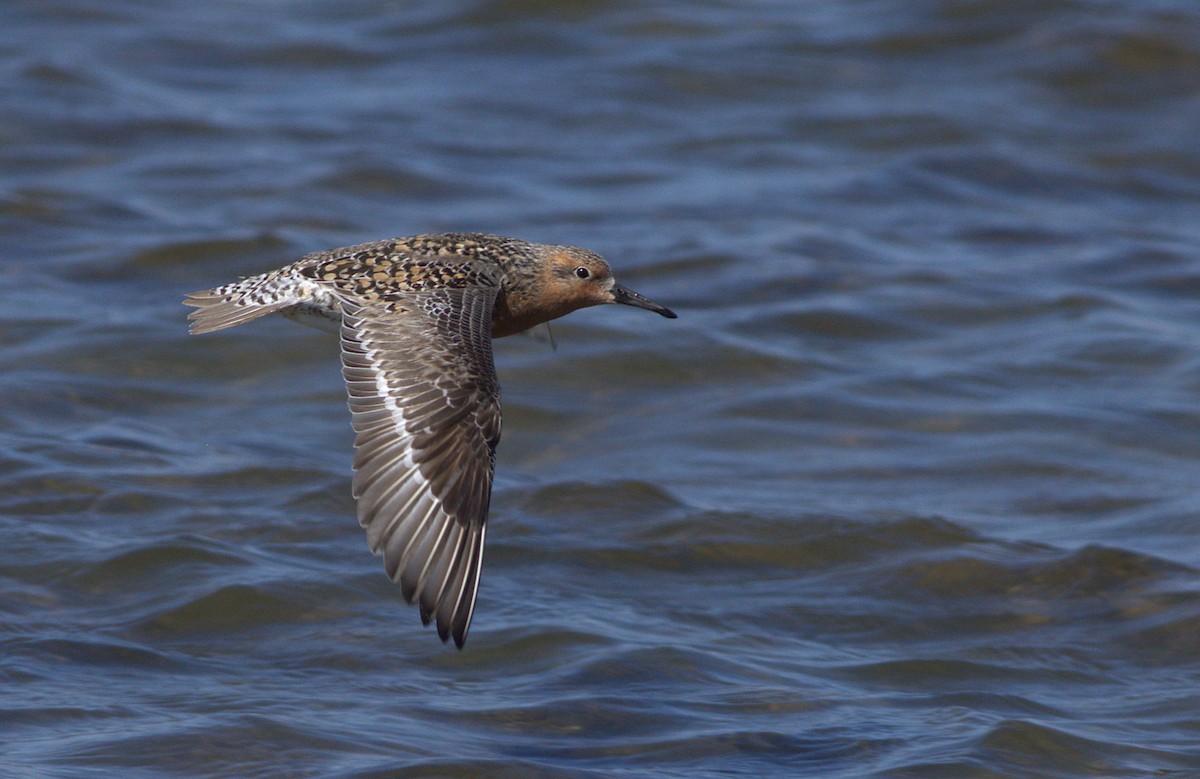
pixel 910 489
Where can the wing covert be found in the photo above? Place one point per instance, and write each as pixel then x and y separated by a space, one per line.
pixel 425 405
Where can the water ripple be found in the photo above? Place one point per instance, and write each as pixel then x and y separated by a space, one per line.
pixel 909 488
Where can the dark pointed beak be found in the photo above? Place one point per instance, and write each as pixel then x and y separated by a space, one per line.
pixel 628 297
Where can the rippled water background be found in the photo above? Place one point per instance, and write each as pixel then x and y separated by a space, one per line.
pixel 910 489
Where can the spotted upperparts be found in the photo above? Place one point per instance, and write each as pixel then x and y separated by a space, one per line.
pixel 416 318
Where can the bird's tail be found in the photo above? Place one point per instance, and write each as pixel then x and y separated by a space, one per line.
pixel 233 304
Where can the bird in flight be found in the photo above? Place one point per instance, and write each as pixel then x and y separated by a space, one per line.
pixel 416 317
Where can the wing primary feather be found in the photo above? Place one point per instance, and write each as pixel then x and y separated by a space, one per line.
pixel 425 406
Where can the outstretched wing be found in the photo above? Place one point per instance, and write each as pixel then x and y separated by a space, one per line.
pixel 425 404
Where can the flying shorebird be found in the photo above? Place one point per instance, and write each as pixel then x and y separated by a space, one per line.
pixel 416 317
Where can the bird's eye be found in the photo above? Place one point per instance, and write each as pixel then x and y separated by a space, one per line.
pixel 583 272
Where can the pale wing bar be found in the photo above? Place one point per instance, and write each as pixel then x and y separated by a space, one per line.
pixel 425 406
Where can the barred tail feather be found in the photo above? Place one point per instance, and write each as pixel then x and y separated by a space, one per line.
pixel 226 306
